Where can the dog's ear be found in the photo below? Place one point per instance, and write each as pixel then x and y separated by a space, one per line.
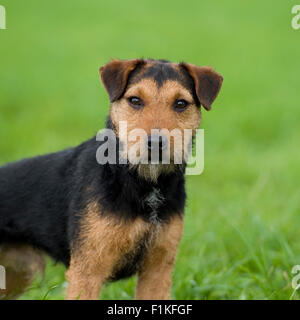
pixel 207 83
pixel 114 76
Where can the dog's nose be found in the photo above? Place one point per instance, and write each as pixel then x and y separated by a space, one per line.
pixel 156 142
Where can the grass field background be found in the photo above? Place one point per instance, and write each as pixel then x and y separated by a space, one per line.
pixel 241 236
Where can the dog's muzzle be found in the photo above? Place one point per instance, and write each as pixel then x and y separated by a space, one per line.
pixel 156 142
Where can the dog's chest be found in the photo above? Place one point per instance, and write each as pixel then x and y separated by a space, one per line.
pixel 132 261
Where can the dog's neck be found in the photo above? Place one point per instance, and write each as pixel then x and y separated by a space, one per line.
pixel 130 195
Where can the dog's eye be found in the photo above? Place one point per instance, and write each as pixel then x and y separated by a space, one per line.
pixel 135 102
pixel 180 105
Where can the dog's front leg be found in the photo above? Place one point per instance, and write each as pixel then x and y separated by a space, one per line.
pixel 155 277
pixel 102 243
pixel 84 283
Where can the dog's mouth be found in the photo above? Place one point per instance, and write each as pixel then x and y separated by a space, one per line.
pixel 158 157
pixel 153 155
pixel 153 164
pixel 152 172
pixel 157 151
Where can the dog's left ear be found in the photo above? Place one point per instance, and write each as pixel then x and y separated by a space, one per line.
pixel 207 83
pixel 114 76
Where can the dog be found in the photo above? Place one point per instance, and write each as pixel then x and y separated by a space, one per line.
pixel 108 221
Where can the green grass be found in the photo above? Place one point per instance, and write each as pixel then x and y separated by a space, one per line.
pixel 241 235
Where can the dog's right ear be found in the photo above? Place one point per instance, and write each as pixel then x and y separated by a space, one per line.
pixel 114 76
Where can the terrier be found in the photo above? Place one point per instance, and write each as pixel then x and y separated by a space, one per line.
pixel 111 220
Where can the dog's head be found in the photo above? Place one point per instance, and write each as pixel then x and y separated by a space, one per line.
pixel 157 100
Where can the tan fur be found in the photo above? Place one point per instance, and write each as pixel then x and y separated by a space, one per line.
pixel 155 278
pixel 22 263
pixel 104 242
pixel 157 113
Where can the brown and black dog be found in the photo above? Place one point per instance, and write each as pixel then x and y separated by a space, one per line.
pixel 110 220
